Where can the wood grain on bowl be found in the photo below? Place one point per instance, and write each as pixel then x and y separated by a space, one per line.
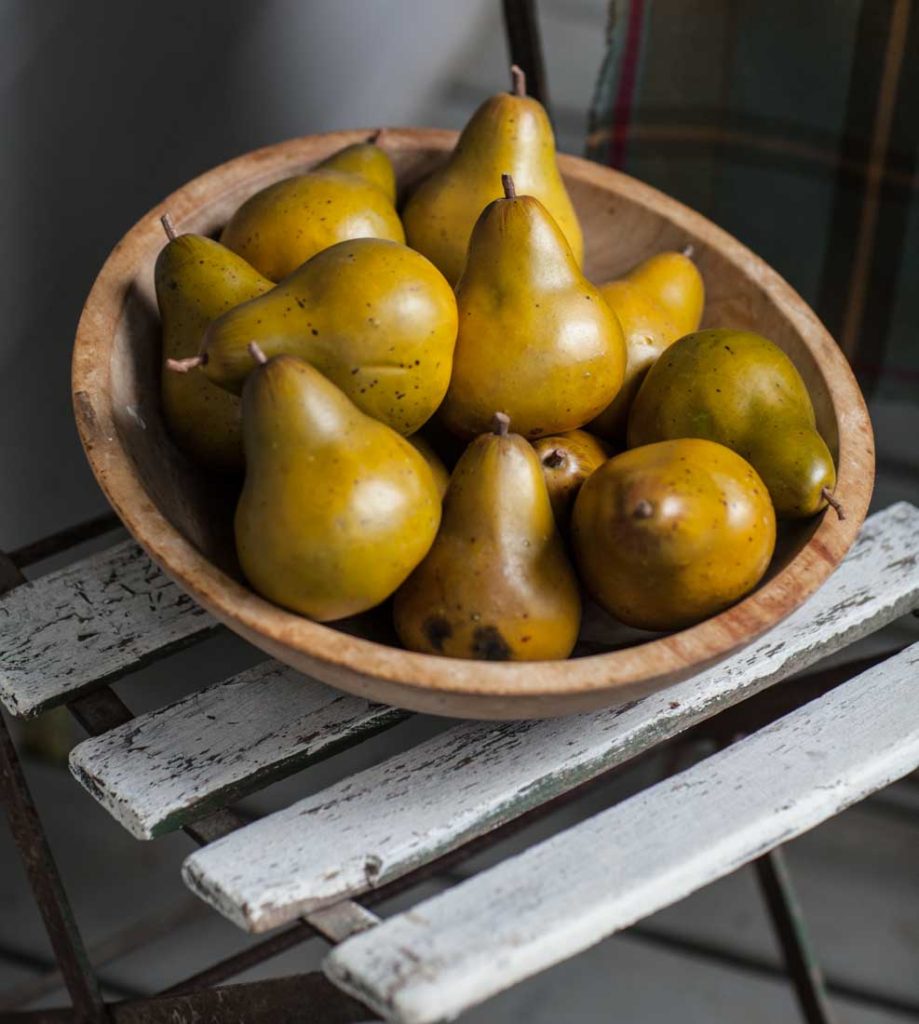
pixel 182 516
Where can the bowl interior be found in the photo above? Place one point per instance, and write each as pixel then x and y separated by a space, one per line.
pixel 624 222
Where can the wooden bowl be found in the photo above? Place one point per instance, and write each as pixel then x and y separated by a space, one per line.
pixel 182 516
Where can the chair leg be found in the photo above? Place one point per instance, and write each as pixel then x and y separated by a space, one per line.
pixel 521 26
pixel 788 922
pixel 46 885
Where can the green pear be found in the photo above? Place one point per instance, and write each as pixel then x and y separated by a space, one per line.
pixel 536 340
pixel 196 280
pixel 497 584
pixel 336 509
pixel 510 133
pixel 375 317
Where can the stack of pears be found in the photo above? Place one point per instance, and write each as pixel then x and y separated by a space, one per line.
pixel 345 364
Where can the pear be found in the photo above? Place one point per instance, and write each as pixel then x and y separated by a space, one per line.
pixel 657 302
pixel 567 461
pixel 336 509
pixel 742 390
pixel 496 584
pixel 509 133
pixel 196 280
pixel 435 464
pixel 283 225
pixel 375 317
pixel 536 340
pixel 368 161
pixel 668 534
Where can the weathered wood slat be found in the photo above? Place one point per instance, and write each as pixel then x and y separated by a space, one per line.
pixel 170 766
pixel 408 810
pixel 569 892
pixel 87 624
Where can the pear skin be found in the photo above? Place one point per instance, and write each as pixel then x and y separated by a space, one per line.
pixel 742 390
pixel 657 302
pixel 375 317
pixel 198 279
pixel 510 133
pixel 496 585
pixel 368 161
pixel 283 225
pixel 567 461
pixel 668 534
pixel 536 340
pixel 435 464
pixel 336 509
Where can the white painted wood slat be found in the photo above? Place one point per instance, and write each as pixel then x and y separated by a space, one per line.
pixel 87 624
pixel 569 892
pixel 171 766
pixel 392 817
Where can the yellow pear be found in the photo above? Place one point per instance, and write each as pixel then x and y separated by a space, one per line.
pixel 349 196
pixel 668 534
pixel 567 461
pixel 375 317
pixel 657 302
pixel 196 280
pixel 496 585
pixel 536 340
pixel 509 133
pixel 368 161
pixel 336 509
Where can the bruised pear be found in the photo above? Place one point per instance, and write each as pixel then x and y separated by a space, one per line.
pixel 375 317
pixel 657 302
pixel 337 508
pixel 567 461
pixel 510 133
pixel 283 225
pixel 196 280
pixel 536 341
pixel 740 389
pixel 496 585
pixel 668 534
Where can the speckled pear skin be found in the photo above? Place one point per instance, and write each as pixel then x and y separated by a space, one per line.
pixel 656 303
pixel 285 224
pixel 567 461
pixel 337 509
pixel 377 318
pixel 536 341
pixel 508 134
pixel 671 533
pixel 497 584
pixel 742 390
pixel 368 161
pixel 196 280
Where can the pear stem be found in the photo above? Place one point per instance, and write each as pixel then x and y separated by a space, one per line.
pixel 374 137
pixel 501 424
pixel 518 80
pixel 834 503
pixel 689 250
pixel 185 365
pixel 168 227
pixel 643 510
pixel 507 183
pixel 255 350
pixel 554 458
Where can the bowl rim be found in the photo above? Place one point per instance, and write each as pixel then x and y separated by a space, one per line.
pixel 406 677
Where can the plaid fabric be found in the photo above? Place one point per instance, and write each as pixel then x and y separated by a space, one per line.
pixel 796 127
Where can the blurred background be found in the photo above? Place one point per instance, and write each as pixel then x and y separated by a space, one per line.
pixel 795 126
